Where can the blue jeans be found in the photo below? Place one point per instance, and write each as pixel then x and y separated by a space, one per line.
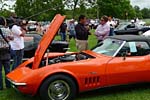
pixel 72 34
pixel 63 36
pixel 17 57
pixel 6 65
pixel 111 33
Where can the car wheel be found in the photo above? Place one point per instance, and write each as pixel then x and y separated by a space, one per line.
pixel 58 87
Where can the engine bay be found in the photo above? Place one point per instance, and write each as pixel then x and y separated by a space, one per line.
pixel 66 58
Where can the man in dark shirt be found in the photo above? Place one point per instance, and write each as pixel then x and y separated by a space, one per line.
pixel 63 29
pixel 82 34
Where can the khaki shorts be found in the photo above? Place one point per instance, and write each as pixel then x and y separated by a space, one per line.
pixel 82 45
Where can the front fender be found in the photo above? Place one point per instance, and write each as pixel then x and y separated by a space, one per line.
pixel 60 71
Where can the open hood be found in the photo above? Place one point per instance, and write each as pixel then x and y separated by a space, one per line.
pixel 47 39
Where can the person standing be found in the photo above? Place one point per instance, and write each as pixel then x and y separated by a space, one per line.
pixel 71 29
pixel 112 26
pixel 5 37
pixel 63 29
pixel 17 45
pixel 39 29
pixel 82 34
pixel 103 29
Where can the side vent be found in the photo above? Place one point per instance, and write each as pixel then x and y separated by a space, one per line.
pixel 92 81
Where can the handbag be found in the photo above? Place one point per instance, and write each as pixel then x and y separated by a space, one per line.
pixel 5 52
pixel 4 38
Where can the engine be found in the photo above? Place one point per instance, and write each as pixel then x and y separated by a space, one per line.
pixel 67 58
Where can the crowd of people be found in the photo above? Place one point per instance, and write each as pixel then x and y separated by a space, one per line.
pixel 12 39
pixel 11 45
pixel 81 31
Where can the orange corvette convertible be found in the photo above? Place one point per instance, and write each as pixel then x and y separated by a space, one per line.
pixel 61 76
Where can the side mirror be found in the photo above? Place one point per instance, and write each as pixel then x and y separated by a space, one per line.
pixel 125 54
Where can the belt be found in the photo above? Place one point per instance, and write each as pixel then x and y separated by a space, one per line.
pixel 18 50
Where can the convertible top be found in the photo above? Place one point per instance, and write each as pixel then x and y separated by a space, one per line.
pixel 131 38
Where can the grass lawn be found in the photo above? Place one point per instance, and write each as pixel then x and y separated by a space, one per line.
pixel 131 92
pixel 147 21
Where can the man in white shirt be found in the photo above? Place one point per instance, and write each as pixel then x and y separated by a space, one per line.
pixel 17 45
pixel 103 29
pixel 112 26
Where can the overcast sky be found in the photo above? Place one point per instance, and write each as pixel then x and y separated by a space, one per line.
pixel 140 3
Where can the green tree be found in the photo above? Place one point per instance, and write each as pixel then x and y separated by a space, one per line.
pixel 116 8
pixel 145 13
pixel 78 7
pixel 4 12
pixel 138 11
pixel 39 9
pixel 23 8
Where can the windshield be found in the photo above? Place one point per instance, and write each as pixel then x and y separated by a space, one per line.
pixel 108 47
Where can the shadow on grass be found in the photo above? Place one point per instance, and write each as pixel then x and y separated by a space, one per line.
pixel 113 91
pixel 12 94
pixel 109 93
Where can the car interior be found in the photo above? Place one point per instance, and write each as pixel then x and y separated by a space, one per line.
pixel 141 49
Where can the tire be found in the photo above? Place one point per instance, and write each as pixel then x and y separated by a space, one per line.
pixel 58 87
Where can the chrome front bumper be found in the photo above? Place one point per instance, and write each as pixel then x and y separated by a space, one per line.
pixel 16 83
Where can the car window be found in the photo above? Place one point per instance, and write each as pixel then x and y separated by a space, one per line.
pixel 121 26
pixel 131 26
pixel 135 49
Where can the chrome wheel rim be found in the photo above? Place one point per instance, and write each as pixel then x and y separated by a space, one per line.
pixel 58 90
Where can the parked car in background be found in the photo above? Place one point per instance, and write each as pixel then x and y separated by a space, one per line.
pixel 93 23
pixel 130 28
pixel 147 33
pixel 32 41
pixel 31 26
pixel 141 23
pixel 61 76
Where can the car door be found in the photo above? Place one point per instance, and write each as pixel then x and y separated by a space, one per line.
pixel 135 67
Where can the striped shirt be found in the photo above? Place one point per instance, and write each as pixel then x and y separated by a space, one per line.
pixel 6 32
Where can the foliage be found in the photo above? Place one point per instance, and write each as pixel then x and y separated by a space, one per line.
pixel 41 10
pixel 5 13
pixel 79 6
pixel 116 8
pixel 145 13
pixel 49 8
pixel 138 12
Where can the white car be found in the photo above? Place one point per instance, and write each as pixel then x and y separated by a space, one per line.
pixel 147 33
